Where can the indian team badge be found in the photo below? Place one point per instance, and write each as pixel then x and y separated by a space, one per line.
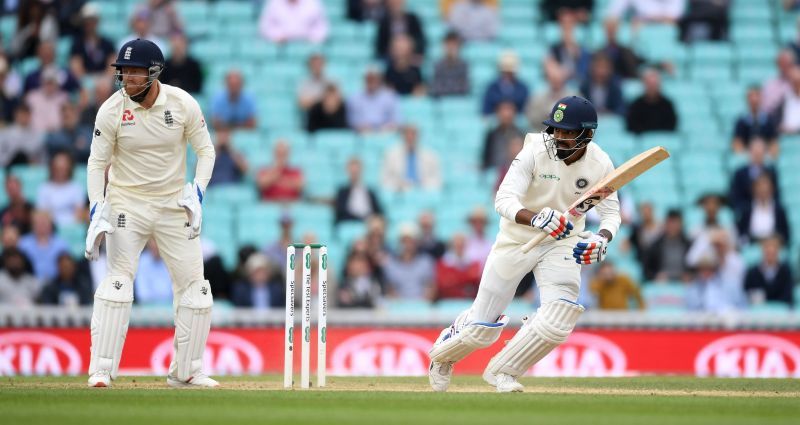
pixel 581 183
pixel 558 115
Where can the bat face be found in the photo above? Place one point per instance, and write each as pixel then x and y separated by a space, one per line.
pixel 620 177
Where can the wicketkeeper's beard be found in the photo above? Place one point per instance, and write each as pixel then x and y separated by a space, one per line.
pixel 139 97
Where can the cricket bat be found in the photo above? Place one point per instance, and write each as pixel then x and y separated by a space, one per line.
pixel 611 183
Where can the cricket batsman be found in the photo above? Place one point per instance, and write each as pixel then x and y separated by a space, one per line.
pixel 141 131
pixel 551 172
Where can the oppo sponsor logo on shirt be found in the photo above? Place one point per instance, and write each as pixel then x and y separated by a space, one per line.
pixel 549 177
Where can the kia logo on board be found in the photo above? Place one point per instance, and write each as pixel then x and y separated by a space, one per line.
pixel 583 354
pixel 749 356
pixel 225 354
pixel 386 353
pixel 37 353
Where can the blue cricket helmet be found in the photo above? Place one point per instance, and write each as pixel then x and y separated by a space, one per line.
pixel 140 53
pixel 572 113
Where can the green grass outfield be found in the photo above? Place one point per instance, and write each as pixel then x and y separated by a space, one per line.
pixel 385 401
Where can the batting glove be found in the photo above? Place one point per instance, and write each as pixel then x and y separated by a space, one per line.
pixel 192 201
pixel 552 222
pixel 591 250
pixel 99 224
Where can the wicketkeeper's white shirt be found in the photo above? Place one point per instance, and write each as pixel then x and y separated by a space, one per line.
pixel 147 147
pixel 535 181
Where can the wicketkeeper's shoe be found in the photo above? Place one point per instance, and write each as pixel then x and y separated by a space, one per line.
pixel 439 375
pixel 100 379
pixel 507 384
pixel 197 381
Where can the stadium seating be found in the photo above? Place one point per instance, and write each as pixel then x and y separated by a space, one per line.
pixel 707 89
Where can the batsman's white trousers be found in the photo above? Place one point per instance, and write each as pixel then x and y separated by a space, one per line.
pixel 556 272
pixel 136 219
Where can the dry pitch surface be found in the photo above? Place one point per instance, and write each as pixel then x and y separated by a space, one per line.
pixel 383 401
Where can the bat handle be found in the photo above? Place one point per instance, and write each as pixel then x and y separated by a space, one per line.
pixel 533 242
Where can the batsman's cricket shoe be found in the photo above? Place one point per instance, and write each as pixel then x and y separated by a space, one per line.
pixel 100 379
pixel 507 384
pixel 197 381
pixel 439 375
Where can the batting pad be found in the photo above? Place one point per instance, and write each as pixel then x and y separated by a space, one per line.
pixel 192 325
pixel 110 317
pixel 473 336
pixel 550 327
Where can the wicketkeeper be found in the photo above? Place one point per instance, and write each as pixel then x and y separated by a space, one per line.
pixel 141 131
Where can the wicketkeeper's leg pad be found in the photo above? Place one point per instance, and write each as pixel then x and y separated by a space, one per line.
pixel 457 342
pixel 549 328
pixel 192 325
pixel 110 317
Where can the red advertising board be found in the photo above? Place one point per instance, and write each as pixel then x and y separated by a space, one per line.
pixel 403 351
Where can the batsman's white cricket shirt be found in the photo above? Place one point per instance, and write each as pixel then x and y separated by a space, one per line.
pixel 534 181
pixel 147 147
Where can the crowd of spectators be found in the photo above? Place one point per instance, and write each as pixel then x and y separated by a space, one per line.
pixel 46 118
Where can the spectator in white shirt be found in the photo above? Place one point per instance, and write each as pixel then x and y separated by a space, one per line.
pixel 654 11
pixel 355 200
pixel 474 20
pixel 478 244
pixel 310 91
pixel 765 215
pixel 46 102
pixel 720 281
pixel 293 20
pixel 63 198
pixel 409 166
pixel 789 111
pixel 775 89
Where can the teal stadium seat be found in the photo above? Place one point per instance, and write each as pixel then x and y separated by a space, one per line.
pixel 631 89
pixel 349 231
pixel 485 52
pixel 210 51
pixel 192 11
pixel 258 52
pixel 231 194
pixel 31 177
pixel 708 52
pixel 787 30
pixel 450 107
pixel 756 72
pixel 673 141
pixel 755 33
pixel 234 12
pixel 3 194
pixel 75 237
pixel 749 11
pixel 338 145
pixel 416 109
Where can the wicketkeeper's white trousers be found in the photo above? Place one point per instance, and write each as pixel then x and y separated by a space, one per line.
pixel 137 219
